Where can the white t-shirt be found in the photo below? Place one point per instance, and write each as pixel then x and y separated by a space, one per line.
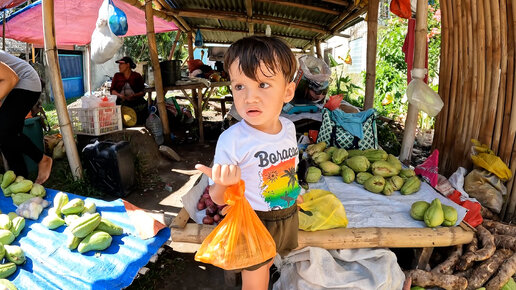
pixel 268 163
pixel 29 79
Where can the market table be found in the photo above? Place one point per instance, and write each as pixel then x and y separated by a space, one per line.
pixel 200 93
pixel 373 221
pixel 51 265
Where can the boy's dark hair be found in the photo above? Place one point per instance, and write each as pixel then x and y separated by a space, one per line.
pixel 272 51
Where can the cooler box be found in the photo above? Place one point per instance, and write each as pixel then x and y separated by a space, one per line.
pixel 34 131
pixel 110 166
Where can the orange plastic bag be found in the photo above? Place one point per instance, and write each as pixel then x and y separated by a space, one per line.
pixel 240 240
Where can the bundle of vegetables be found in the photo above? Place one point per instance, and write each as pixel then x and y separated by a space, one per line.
pixel 434 214
pixel 376 170
pixel 488 262
pixel 86 229
pixel 19 188
pixel 214 213
pixel 11 226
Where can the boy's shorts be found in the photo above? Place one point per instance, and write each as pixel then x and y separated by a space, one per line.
pixel 283 226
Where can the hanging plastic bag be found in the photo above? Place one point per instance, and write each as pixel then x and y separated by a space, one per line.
pixel 104 44
pixel 401 8
pixel 314 69
pixel 117 20
pixel 240 240
pixel 199 41
pixel 422 96
pixel 321 210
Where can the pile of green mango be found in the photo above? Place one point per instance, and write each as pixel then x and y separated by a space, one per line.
pixel 376 170
pixel 434 214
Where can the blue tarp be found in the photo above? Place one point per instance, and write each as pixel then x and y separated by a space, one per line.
pixel 51 265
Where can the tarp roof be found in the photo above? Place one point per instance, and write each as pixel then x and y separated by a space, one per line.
pixel 74 22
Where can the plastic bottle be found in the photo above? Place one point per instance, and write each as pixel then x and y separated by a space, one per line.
pixel 153 123
pixel 106 114
pixel 303 141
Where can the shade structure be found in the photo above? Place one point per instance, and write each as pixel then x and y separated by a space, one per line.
pixel 74 22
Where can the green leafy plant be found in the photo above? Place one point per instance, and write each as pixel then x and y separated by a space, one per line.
pixel 137 47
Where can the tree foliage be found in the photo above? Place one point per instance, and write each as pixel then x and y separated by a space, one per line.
pixel 137 47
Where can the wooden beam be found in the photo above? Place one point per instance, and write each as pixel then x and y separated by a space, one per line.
pixel 419 62
pixel 190 44
pixel 158 83
pixel 338 2
pixel 160 14
pixel 341 17
pixel 352 238
pixel 302 6
pixel 242 17
pixel 57 88
pixel 171 54
pixel 349 18
pixel 249 11
pixel 245 31
pixel 372 32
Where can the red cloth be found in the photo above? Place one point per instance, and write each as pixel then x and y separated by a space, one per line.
pixel 401 8
pixel 429 169
pixel 408 49
pixel 473 216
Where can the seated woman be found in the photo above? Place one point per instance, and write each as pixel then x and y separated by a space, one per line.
pixel 128 86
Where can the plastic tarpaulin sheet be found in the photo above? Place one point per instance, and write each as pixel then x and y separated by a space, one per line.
pixel 367 209
pixel 74 22
pixel 51 265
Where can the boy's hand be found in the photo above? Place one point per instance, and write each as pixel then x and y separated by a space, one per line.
pixel 222 174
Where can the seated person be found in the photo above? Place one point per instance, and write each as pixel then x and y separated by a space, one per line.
pixel 128 86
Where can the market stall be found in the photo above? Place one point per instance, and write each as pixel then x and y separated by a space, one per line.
pixel 51 265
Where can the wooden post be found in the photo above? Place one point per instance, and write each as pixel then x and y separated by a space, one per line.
pixel 3 33
pixel 171 55
pixel 33 53
pixel 190 45
pixel 318 49
pixel 419 62
pixel 57 87
pixel 158 84
pixel 372 32
pixel 88 68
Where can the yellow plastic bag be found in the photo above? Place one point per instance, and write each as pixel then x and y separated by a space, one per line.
pixel 486 159
pixel 240 240
pixel 321 210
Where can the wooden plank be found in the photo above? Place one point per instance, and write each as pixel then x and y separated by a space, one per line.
pixel 422 258
pixel 181 219
pixel 350 238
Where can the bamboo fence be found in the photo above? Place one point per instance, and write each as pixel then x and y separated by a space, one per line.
pixel 477 79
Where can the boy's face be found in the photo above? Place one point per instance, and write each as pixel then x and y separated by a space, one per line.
pixel 260 102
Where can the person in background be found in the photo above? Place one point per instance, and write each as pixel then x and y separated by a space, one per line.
pixel 128 86
pixel 262 148
pixel 20 89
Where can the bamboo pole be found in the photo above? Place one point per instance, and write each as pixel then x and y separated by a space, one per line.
pixel 88 68
pixel 33 53
pixel 499 31
pixel 484 134
pixel 481 60
pixel 318 49
pixel 351 238
pixel 372 32
pixel 173 49
pixel 57 87
pixel 472 44
pixel 506 142
pixel 419 62
pixel 190 45
pixel 158 83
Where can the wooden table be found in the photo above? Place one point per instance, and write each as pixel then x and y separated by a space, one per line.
pixel 198 97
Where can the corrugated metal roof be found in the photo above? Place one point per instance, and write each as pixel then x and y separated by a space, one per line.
pixel 299 22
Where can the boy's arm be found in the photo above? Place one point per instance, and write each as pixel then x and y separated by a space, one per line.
pixel 223 175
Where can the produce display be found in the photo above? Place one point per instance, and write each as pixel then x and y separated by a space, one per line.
pixel 214 213
pixel 10 227
pixel 376 170
pixel 22 190
pixel 434 214
pixel 86 229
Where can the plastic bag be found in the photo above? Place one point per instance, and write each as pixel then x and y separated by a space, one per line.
pixel 428 169
pixel 314 69
pixel 422 96
pixel 494 164
pixel 117 20
pixel 486 188
pixel 104 44
pixel 199 41
pixel 240 240
pixel 321 210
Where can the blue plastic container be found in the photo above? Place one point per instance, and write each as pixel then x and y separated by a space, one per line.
pixel 34 131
